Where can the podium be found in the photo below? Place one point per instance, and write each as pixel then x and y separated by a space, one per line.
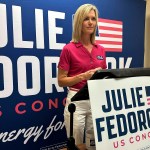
pixel 83 93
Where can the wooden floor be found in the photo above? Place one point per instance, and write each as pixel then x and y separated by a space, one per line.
pixel 81 147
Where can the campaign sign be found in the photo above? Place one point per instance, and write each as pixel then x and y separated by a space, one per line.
pixel 121 113
pixel 32 35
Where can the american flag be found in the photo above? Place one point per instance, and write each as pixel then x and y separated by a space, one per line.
pixel 147 88
pixel 110 34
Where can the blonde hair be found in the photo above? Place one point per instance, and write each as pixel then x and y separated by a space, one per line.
pixel 79 17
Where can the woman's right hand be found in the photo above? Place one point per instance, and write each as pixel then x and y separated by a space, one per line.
pixel 88 74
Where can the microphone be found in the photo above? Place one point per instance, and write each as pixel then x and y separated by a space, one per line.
pixel 71 141
pixel 71 108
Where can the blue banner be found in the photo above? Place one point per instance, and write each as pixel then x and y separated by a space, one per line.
pixel 32 35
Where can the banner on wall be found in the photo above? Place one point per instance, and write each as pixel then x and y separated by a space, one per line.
pixel 32 35
pixel 121 113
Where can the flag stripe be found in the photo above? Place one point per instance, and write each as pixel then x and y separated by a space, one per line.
pixel 109 21
pixel 110 35
pixel 109 42
pixel 109 25
pixel 110 32
pixel 113 49
pixel 109 28
pixel 111 46
pixel 109 39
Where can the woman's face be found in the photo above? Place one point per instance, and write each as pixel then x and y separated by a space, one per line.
pixel 89 23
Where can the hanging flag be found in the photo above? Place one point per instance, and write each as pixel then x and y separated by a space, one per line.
pixel 110 34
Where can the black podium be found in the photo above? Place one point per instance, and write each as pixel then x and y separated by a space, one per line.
pixel 83 93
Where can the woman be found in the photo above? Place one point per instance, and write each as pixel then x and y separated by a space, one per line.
pixel 79 60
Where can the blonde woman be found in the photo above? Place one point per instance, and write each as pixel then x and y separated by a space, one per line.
pixel 79 60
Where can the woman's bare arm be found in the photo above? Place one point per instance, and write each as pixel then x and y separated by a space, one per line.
pixel 64 80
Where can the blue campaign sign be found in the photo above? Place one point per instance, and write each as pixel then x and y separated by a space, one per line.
pixel 32 34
